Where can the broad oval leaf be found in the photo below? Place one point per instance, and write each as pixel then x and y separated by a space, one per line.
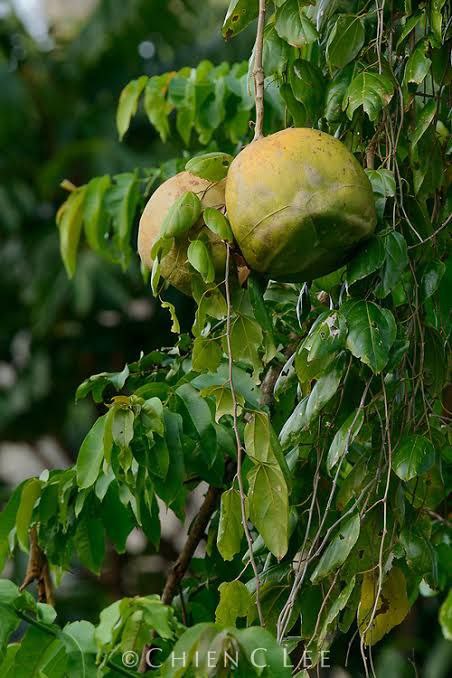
pixel 345 40
pixel 293 26
pixel 181 216
pixel 240 13
pixel 235 601
pixel 373 91
pixel 30 494
pixel 218 224
pixel 230 530
pixel 367 261
pixel 344 438
pixel 413 456
pixel 391 607
pixel 338 550
pixel 269 507
pixel 371 332
pixel 91 454
pixel 70 219
pixel 210 166
pixel 199 257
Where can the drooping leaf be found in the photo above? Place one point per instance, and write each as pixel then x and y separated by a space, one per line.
pixel 445 617
pixel 413 456
pixel 367 261
pixel 207 355
pixel 199 257
pixel 31 491
pixel 431 278
pixel 230 530
pixel 181 216
pixel 371 332
pixel 339 548
pixel 308 85
pixel 344 41
pixel 218 224
pixel 128 103
pixel 262 650
pixel 175 326
pixel 418 64
pixel 396 260
pixel 91 454
pixel 8 521
pixel 223 400
pixel 268 506
pixel 70 219
pixel 235 601
pixel 424 121
pixel 95 219
pixel 90 542
pixel 293 26
pixel 391 607
pixel 156 104
pixel 344 438
pixel 373 91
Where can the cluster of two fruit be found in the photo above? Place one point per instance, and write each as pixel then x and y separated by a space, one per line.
pixel 298 203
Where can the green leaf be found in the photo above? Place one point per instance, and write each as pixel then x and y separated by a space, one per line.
pixel 155 104
pixel 230 529
pixel 223 400
pixel 70 219
pixel 396 260
pixel 98 382
pixel 338 550
pixel 431 278
pixel 246 340
pixel 373 91
pixel 371 332
pixel 310 407
pixel 445 616
pixel 257 439
pixel 423 122
pixel 337 605
pixel 210 166
pixel 94 218
pixel 370 258
pixel 418 64
pixel 201 260
pixel 327 336
pixel 197 417
pixel 335 93
pixel 293 26
pixel 31 492
pixel 116 517
pixel 206 355
pixel 383 182
pixel 90 542
pixel 91 454
pixel 128 104
pixel 344 41
pixel 269 507
pixel 181 216
pixel 413 456
pixel 410 24
pixel 8 521
pixel 262 650
pixel 235 601
pixel 218 224
pixel 32 654
pixel 308 86
pixel 121 203
pixel 240 13
pixel 344 438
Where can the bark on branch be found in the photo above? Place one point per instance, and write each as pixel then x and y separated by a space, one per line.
pixel 258 73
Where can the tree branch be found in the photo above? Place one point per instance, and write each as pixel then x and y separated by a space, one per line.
pixel 195 535
pixel 258 73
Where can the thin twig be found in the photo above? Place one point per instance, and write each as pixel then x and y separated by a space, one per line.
pixel 258 73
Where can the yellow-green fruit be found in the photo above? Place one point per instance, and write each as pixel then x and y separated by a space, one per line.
pixel 298 202
pixel 174 265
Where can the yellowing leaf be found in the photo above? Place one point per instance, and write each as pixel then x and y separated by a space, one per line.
pixel 391 609
pixel 235 601
pixel 223 400
pixel 230 530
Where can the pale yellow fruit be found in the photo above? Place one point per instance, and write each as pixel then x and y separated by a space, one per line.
pixel 299 203
pixel 174 265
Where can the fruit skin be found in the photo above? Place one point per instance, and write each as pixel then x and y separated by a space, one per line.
pixel 174 265
pixel 298 202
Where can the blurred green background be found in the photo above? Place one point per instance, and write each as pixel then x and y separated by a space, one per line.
pixel 63 64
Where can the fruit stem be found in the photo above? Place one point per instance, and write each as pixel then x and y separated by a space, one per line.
pixel 258 73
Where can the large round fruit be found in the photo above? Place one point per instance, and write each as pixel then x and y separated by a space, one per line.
pixel 174 265
pixel 299 203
